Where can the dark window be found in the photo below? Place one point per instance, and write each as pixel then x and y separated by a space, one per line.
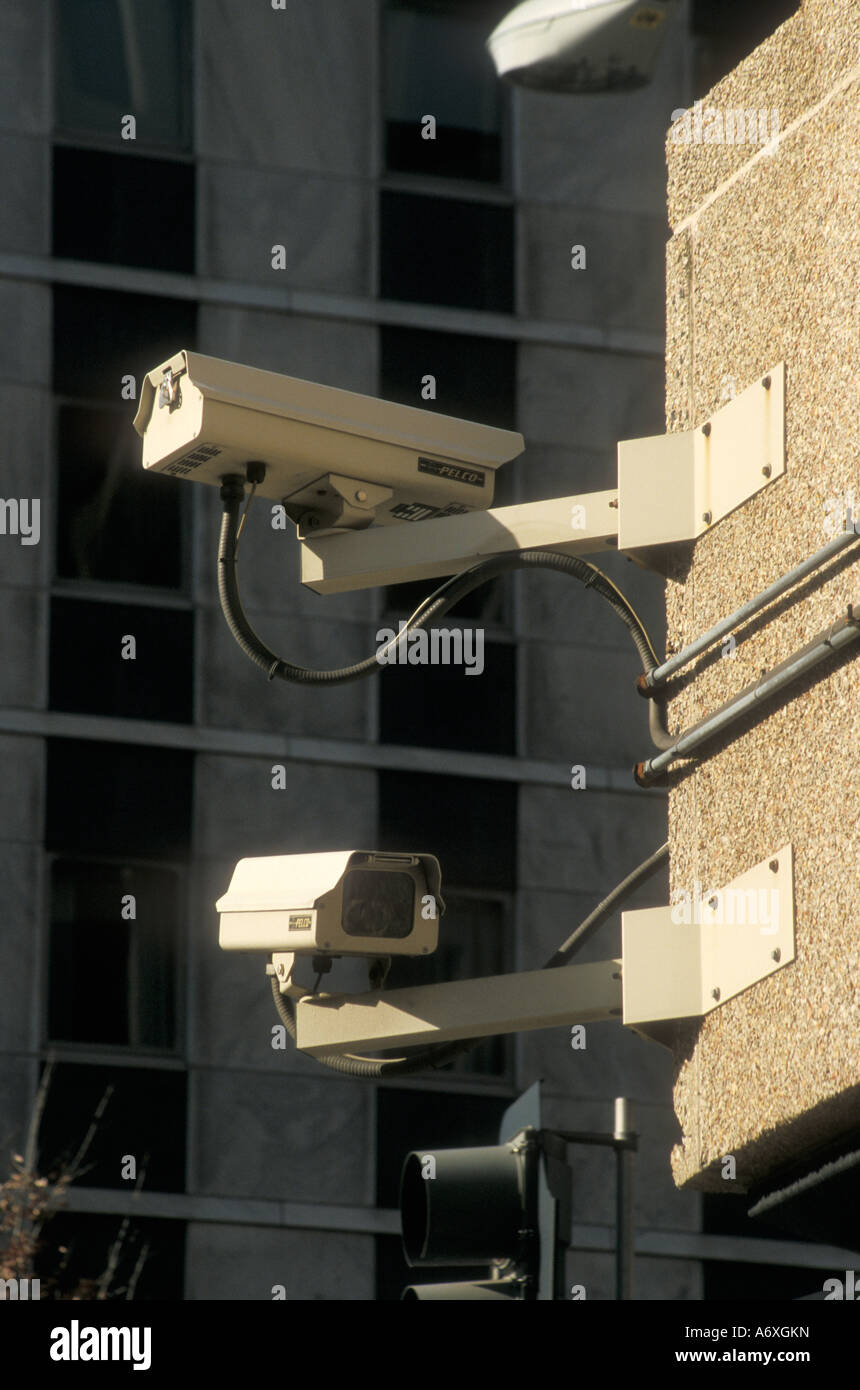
pixel 407 1120
pixel 116 521
pixel 115 933
pixel 97 1117
pixel 101 336
pixel 128 800
pixel 114 59
pixel 469 825
pixel 415 1119
pixel 475 378
pixel 811 1199
pixel 725 1281
pixel 90 675
pixel 726 31
pixel 123 209
pixel 446 251
pixel 471 828
pixel 729 1216
pixel 474 940
pixel 490 603
pixel 436 64
pixel 90 1257
pixel 442 705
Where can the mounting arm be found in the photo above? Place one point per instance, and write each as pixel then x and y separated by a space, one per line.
pixel 680 962
pixel 671 489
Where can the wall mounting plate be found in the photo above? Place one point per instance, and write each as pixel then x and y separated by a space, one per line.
pixel 672 488
pixel 685 960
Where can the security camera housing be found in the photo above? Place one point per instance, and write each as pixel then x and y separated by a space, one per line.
pixel 334 459
pixel 341 903
pixel 579 46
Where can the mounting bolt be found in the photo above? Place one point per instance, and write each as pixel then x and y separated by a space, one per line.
pixel 282 970
pixel 774 866
pixel 361 495
pixel 712 903
pixel 766 470
pixel 706 428
pixel 614 502
pixel 706 517
pixel 715 994
pixel 776 955
pixel 765 381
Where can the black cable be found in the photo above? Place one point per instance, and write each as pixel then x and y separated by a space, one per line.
pixel 437 1054
pixel 440 602
pixel 605 909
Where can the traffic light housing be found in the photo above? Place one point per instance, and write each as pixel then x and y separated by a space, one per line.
pixel 505 1205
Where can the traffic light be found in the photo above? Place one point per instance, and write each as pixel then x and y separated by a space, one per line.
pixel 506 1206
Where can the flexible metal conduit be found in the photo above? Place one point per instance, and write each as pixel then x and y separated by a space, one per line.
pixel 654 679
pixel 822 646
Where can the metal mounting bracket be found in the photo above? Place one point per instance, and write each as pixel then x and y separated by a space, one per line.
pixel 685 961
pixel 677 963
pixel 482 1008
pixel 334 501
pixel 671 489
pixel 282 965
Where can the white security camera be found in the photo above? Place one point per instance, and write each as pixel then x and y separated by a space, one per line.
pixel 580 45
pixel 342 903
pixel 335 459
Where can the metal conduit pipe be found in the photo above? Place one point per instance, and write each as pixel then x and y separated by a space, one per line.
pixel 843 632
pixel 649 683
pixel 657 726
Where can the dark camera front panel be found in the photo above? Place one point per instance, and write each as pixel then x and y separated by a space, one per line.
pixel 378 903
